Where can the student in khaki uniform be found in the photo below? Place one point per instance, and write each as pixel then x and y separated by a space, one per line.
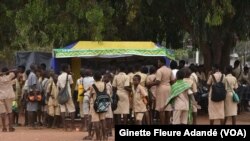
pixel 131 71
pixel 143 72
pixel 215 109
pixel 189 79
pixel 69 106
pixel 53 106
pixel 164 77
pixel 109 115
pixel 230 106
pixel 152 92
pixel 121 87
pixel 179 99
pixel 138 71
pixel 19 83
pixel 139 99
pixel 98 119
pixel 7 95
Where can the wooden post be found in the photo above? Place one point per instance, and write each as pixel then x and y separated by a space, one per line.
pixel 75 69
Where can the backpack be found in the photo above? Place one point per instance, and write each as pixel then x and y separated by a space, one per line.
pixel 102 101
pixel 218 90
pixel 114 101
pixel 63 95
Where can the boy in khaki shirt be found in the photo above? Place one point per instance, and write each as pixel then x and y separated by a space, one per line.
pixel 139 99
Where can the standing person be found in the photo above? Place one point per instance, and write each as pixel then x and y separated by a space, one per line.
pixel 182 64
pixel 53 106
pixel 195 79
pixel 215 109
pixel 131 73
pixel 230 106
pixel 243 90
pixel 44 102
pixel 80 89
pixel 19 83
pixel 201 75
pixel 139 99
pixel 237 69
pixel 164 77
pixel 109 115
pixel 7 95
pixel 121 87
pixel 193 89
pixel 174 68
pixel 69 107
pixel 151 92
pixel 143 72
pixel 33 89
pixel 98 119
pixel 88 80
pixel 25 93
pixel 39 114
pixel 179 99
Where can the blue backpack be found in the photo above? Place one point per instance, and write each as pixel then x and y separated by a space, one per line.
pixel 102 101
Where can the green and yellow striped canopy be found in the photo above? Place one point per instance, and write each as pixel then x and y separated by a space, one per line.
pixel 112 49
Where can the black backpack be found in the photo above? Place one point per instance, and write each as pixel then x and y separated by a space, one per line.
pixel 102 101
pixel 114 101
pixel 218 90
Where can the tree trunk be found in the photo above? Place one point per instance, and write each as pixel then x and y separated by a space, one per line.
pixel 207 56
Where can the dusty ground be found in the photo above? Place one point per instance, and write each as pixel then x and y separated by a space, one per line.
pixel 26 134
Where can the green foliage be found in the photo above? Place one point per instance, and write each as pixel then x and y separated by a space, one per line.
pixel 218 9
pixel 46 24
pixel 30 25
pixel 181 54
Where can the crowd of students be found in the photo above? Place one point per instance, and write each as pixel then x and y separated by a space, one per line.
pixel 147 95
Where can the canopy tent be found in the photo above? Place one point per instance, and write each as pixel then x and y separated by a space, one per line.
pixel 77 53
pixel 100 55
pixel 112 49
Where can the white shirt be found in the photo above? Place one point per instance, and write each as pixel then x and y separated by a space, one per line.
pixel 61 82
pixel 87 82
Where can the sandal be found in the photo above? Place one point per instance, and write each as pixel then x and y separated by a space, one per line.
pixel 11 129
pixel 87 138
pixel 4 130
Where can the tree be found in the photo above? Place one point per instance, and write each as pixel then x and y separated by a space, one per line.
pixel 213 25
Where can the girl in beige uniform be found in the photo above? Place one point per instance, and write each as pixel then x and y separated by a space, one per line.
pixel 163 78
pixel 230 106
pixel 152 92
pixel 121 87
pixel 98 119
pixel 215 109
pixel 193 89
pixel 109 115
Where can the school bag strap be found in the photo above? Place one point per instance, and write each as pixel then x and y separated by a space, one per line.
pixel 221 77
pixel 215 79
pixel 96 89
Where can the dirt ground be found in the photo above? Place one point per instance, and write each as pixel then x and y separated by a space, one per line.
pixel 44 134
